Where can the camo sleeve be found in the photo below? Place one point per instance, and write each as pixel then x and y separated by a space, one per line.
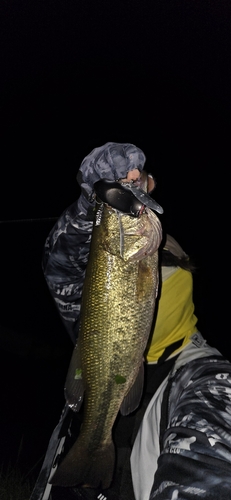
pixel 195 461
pixel 64 264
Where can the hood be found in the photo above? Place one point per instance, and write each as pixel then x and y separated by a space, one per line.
pixel 112 161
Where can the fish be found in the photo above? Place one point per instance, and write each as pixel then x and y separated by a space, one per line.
pixel 107 366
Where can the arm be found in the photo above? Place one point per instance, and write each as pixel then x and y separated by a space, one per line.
pixel 64 263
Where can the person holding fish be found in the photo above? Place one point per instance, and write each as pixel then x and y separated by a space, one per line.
pixel 67 246
pixel 181 403
pixel 124 267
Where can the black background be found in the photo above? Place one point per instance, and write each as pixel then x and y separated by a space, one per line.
pixel 74 75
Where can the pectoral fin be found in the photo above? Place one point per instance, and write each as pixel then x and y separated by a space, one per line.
pixel 133 397
pixel 74 389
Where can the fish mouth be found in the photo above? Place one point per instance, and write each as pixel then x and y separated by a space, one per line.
pixel 142 196
pixel 140 189
pixel 128 197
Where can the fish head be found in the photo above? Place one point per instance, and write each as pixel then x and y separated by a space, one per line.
pixel 128 197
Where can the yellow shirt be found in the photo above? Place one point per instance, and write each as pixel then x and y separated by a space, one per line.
pixel 175 315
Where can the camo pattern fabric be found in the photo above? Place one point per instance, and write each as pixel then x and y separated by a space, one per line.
pixel 67 246
pixel 112 162
pixel 195 460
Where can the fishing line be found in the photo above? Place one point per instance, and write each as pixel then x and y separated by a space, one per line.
pixel 17 221
pixel 121 232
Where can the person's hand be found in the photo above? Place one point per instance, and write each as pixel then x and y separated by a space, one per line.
pixel 142 179
pixel 132 175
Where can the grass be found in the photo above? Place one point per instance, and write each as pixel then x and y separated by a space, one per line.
pixel 13 486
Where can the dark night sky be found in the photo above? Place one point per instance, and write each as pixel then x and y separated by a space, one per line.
pixel 78 74
pixel 74 75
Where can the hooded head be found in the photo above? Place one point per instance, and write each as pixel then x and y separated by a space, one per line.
pixel 112 162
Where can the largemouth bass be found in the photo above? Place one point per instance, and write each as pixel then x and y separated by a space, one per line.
pixel 118 303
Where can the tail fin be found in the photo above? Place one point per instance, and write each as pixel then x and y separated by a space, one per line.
pixel 90 468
